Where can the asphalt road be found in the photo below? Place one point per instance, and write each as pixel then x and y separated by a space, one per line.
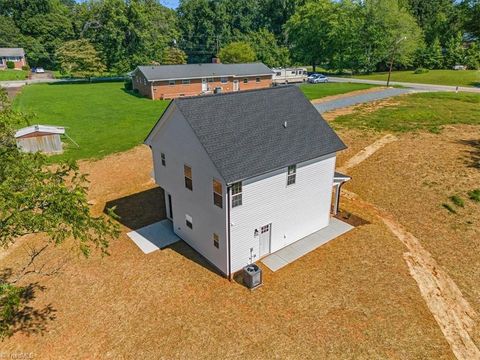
pixel 360 99
pixel 416 86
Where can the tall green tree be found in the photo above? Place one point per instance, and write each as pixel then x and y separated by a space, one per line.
pixel 454 52
pixel 173 55
pixel 80 59
pixel 309 32
pixel 267 49
pixel 237 52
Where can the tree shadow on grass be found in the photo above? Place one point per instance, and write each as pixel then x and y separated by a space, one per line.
pixel 472 157
pixel 140 209
pixel 475 84
pixel 28 319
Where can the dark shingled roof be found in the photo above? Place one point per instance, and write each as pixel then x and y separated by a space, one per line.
pixel 244 132
pixel 189 71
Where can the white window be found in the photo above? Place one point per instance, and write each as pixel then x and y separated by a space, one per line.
pixel 210 80
pixel 245 81
pixel 257 79
pixel 171 82
pixel 185 81
pixel 164 163
pixel 223 79
pixel 237 194
pixel 217 193
pixel 187 172
pixel 144 81
pixel 292 173
pixel 189 221
pixel 216 240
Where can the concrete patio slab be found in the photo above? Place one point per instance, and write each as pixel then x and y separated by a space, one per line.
pixel 154 236
pixel 303 246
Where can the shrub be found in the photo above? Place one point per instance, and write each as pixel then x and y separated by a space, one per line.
pixel 474 195
pixel 10 65
pixel 26 67
pixel 457 200
pixel 128 85
pixel 421 70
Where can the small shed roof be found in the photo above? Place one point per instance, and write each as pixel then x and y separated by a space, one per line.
pixel 12 52
pixel 44 129
pixel 191 71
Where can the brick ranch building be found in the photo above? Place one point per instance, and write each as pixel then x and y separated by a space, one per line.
pixel 17 55
pixel 172 81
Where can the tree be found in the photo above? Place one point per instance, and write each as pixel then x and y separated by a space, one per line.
pixel 308 32
pixel 431 57
pixel 79 58
pixel 237 52
pixel 267 49
pixel 173 55
pixel 36 197
pixel 454 52
pixel 472 56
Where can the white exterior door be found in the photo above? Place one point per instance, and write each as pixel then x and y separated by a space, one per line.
pixel 236 85
pixel 204 84
pixel 264 239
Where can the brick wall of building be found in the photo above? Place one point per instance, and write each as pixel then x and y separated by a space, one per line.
pixel 177 88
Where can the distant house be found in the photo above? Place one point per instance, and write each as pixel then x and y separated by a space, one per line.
pixel 40 138
pixel 245 174
pixel 16 55
pixel 172 81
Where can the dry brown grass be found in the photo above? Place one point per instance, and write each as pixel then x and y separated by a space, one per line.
pixel 352 298
pixel 412 177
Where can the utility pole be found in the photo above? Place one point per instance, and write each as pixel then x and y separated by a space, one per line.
pixel 391 59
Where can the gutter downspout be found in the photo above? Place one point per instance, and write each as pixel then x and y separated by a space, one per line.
pixel 228 235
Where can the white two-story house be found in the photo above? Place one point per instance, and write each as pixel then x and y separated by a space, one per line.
pixel 245 174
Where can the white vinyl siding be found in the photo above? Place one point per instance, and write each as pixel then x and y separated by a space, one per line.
pixel 293 211
pixel 176 139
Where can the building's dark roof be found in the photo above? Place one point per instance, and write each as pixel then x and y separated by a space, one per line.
pixel 244 133
pixel 190 71
pixel 12 52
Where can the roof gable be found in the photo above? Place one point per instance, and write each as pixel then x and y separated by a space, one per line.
pixel 170 72
pixel 254 132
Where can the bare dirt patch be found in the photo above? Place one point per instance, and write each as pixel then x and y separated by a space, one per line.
pixel 367 151
pixel 365 108
pixel 352 298
pixel 411 178
pixel 453 313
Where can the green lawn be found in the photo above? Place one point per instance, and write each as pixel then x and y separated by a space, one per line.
pixel 102 118
pixel 421 111
pixel 8 74
pixel 438 77
pixel 316 91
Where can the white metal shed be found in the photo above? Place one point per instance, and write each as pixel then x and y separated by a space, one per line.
pixel 40 138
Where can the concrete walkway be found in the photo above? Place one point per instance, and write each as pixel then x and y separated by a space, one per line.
pixel 360 99
pixel 294 251
pixel 154 236
pixel 417 86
